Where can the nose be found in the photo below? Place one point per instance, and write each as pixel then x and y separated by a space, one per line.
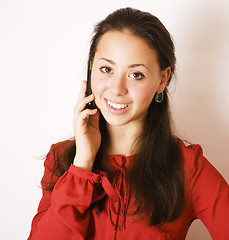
pixel 118 85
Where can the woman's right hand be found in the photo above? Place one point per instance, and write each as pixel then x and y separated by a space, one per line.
pixel 86 130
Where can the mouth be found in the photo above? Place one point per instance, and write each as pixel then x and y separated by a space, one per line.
pixel 117 105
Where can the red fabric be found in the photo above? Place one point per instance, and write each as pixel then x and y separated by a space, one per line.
pixel 65 213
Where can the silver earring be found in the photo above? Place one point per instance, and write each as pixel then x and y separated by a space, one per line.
pixel 159 97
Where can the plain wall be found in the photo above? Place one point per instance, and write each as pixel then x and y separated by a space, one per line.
pixel 43 51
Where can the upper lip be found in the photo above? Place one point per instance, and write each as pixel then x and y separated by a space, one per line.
pixel 116 102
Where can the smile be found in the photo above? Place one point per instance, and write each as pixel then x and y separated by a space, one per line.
pixel 117 105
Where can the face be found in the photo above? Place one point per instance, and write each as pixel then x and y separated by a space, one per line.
pixel 125 77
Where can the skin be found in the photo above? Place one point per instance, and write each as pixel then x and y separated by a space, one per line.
pixel 125 71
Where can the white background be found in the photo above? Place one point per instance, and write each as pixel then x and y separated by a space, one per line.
pixel 43 51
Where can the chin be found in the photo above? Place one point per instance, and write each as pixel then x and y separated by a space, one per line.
pixel 114 121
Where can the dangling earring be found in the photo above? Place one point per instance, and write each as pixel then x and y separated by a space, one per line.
pixel 159 97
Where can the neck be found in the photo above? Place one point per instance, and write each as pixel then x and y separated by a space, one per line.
pixel 122 139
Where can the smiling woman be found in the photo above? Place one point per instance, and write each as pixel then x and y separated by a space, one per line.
pixel 130 77
pixel 125 175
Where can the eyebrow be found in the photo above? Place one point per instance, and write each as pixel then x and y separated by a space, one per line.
pixel 130 66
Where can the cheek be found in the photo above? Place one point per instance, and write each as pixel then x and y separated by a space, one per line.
pixel 97 84
pixel 145 95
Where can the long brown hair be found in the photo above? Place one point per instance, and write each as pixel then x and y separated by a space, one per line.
pixel 155 176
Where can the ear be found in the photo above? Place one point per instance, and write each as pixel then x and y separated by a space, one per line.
pixel 165 75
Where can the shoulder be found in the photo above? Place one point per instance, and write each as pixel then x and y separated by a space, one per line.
pixel 58 150
pixel 197 167
pixel 63 146
pixel 193 160
pixel 191 154
pixel 56 162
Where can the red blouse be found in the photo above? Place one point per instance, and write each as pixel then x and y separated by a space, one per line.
pixel 65 213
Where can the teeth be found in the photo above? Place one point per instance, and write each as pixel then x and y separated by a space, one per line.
pixel 117 106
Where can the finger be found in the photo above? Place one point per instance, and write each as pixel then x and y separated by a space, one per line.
pixel 82 104
pixel 82 119
pixel 86 113
pixel 82 92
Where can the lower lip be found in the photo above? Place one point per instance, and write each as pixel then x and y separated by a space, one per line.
pixel 117 111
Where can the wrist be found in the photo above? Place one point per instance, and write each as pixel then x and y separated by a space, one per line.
pixel 85 165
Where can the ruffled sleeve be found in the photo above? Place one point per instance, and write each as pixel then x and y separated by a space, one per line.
pixel 64 213
pixel 210 195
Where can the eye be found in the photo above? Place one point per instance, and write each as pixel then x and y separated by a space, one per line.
pixel 105 69
pixel 137 75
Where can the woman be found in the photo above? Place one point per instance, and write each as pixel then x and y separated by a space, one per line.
pixel 125 175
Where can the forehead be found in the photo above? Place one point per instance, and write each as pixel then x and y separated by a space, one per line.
pixel 126 45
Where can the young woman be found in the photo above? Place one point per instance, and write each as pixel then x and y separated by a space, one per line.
pixel 125 175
